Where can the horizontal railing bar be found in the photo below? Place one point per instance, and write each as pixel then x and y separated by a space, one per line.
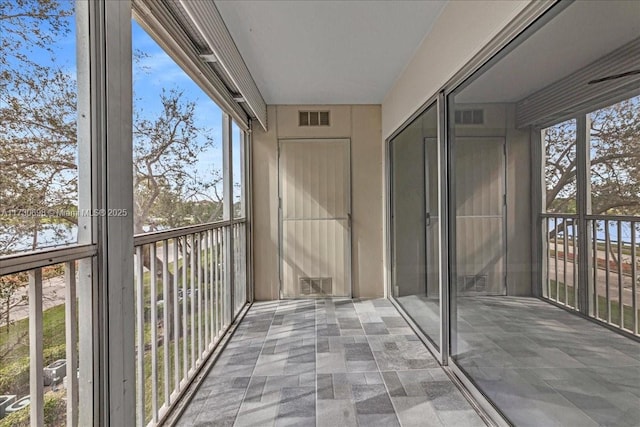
pixel 146 238
pixel 558 215
pixel 26 261
pixel 626 218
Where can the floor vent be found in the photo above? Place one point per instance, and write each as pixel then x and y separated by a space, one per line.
pixel 313 118
pixel 470 117
pixel 316 285
pixel 477 283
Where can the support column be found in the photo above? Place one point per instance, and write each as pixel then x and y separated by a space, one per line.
pixel 227 173
pixel 583 201
pixel 114 115
pixel 538 203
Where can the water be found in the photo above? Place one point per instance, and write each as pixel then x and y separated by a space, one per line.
pixel 625 228
pixel 50 236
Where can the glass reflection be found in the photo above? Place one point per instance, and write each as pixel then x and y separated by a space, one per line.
pixel 416 222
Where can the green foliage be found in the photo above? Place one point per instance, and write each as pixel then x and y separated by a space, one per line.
pixel 14 377
pixel 54 413
pixel 603 308
pixel 615 161
pixel 14 349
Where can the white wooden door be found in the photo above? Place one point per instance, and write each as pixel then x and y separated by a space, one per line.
pixel 480 221
pixel 315 218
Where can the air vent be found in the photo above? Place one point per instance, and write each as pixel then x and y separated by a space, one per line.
pixel 477 283
pixel 313 118
pixel 470 117
pixel 316 286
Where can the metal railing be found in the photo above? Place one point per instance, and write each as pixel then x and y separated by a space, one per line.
pixel 615 269
pixel 56 391
pixel 613 258
pixel 561 255
pixel 190 284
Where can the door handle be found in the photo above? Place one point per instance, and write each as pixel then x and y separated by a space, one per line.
pixel 427 219
pixel 349 219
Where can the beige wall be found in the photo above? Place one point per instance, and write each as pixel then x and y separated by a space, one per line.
pixel 362 125
pixel 518 207
pixel 462 29
pixel 500 122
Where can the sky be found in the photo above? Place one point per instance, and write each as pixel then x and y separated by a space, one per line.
pixel 155 71
pixel 152 73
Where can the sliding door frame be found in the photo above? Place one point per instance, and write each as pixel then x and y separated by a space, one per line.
pixel 534 16
pixel 439 351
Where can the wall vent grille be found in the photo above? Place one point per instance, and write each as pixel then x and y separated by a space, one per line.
pixel 470 117
pixel 313 118
pixel 476 283
pixel 316 285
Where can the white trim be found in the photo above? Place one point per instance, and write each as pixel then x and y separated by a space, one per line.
pixel 209 23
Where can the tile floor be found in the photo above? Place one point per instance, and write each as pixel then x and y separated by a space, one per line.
pixel 541 365
pixel 327 363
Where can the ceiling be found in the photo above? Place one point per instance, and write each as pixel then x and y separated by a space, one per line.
pixel 580 34
pixel 327 52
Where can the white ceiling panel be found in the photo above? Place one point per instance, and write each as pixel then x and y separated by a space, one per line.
pixel 579 35
pixel 327 52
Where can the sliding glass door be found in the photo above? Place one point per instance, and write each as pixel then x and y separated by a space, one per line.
pixel 415 223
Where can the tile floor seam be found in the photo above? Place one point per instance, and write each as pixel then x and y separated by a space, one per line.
pixel 244 395
pixel 571 403
pixel 290 323
pixel 395 410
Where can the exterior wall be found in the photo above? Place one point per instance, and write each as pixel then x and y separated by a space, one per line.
pixel 462 29
pixel 362 125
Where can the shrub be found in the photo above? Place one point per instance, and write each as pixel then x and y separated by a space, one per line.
pixel 14 377
pixel 55 409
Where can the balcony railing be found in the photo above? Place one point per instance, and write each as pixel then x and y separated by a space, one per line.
pixel 612 261
pixel 52 318
pixel 190 284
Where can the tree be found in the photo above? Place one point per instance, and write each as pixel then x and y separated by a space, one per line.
pixel 37 103
pixel 38 141
pixel 164 148
pixel 615 158
pixel 614 165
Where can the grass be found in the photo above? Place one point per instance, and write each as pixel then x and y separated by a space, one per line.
pixel 14 341
pixel 17 336
pixel 54 412
pixel 603 309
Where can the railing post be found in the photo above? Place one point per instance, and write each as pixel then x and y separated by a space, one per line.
pixel 227 165
pixel 71 336
pixel 36 362
pixel 539 231
pixel 141 377
pixel 583 201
